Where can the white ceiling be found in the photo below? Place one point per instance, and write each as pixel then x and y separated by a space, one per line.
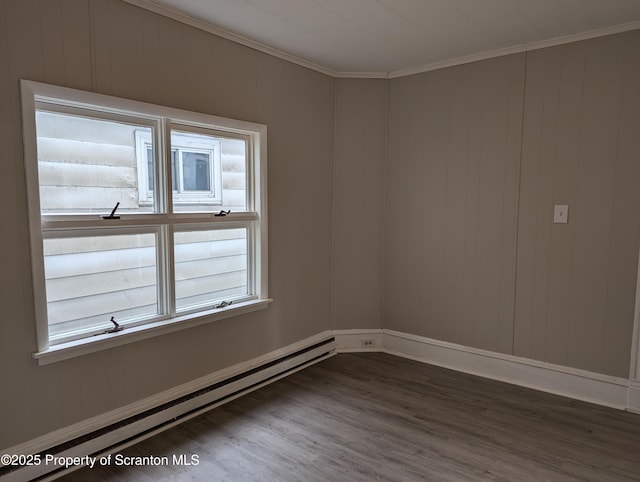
pixel 400 36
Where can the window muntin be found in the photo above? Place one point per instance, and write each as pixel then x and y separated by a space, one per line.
pixel 214 148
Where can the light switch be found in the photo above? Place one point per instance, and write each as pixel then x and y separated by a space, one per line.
pixel 561 213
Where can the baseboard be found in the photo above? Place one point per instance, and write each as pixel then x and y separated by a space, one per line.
pixel 351 341
pixel 218 387
pixel 633 401
pixel 591 387
pixel 560 380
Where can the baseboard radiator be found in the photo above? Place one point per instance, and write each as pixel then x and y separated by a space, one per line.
pixel 126 432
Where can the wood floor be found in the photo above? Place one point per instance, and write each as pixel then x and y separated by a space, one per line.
pixel 361 417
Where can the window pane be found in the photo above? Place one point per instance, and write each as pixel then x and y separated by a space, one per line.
pixel 210 267
pixel 174 175
pixel 91 279
pixel 87 164
pixel 174 170
pixel 150 168
pixel 196 168
pixel 212 171
pixel 234 174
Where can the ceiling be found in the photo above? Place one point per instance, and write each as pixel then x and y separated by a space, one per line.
pixel 397 37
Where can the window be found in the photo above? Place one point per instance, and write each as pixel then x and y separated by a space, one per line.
pixel 196 175
pixel 150 217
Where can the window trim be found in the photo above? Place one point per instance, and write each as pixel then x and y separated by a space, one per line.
pixel 34 92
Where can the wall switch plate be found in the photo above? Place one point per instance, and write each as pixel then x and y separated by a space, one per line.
pixel 561 213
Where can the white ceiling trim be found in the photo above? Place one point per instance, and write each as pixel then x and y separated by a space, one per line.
pixel 207 27
pixel 361 75
pixel 517 49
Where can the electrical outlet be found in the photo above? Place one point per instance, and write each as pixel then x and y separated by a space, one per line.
pixel 367 343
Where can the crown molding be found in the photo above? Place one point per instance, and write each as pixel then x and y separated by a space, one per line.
pixel 601 32
pixel 247 42
pixel 362 75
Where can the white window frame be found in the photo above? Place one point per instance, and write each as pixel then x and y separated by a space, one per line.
pixel 164 220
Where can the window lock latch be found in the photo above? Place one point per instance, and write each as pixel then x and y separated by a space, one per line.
pixel 222 213
pixel 116 326
pixel 113 216
pixel 223 304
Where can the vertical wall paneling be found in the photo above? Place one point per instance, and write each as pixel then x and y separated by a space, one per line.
pixel 235 72
pixel 299 106
pixel 575 281
pixel 568 298
pixel 430 225
pixel 412 268
pixel 458 126
pixel 101 45
pixel 126 43
pixel 594 204
pixel 489 229
pixel 625 218
pixel 152 65
pixel 13 288
pixel 66 43
pixel 511 192
pixel 495 172
pixel 52 42
pixel 454 144
pixel 77 41
pixel 566 156
pixel 472 184
pixel 539 148
pixel 8 133
pixel 197 68
pixel 404 149
pixel 372 204
pixel 172 58
pixel 358 207
pixel 528 203
pixel 24 60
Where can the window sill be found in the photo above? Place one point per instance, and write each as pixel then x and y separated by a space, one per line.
pixel 72 349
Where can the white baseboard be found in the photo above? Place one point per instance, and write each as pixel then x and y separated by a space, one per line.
pixel 633 402
pixel 351 341
pixel 228 392
pixel 569 382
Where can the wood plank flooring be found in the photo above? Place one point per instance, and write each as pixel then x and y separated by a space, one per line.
pixel 372 416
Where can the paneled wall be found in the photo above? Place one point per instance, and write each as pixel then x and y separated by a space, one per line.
pixel 114 48
pixel 478 156
pixel 452 186
pixel 358 211
pixel 581 147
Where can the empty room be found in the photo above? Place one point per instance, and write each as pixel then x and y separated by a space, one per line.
pixel 320 240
